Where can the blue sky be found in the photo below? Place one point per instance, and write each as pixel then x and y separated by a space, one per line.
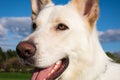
pixel 15 20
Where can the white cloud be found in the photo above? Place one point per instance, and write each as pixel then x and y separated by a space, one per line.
pixel 19 25
pixel 3 31
pixel 13 29
pixel 110 35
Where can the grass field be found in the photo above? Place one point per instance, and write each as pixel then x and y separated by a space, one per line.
pixel 14 76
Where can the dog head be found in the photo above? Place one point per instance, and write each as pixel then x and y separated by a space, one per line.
pixel 60 38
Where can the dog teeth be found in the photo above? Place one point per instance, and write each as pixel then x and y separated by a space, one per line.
pixel 59 62
pixel 52 71
pixel 56 66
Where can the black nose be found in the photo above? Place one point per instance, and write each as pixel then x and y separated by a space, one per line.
pixel 25 49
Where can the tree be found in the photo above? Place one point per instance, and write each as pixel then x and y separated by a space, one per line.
pixel 109 54
pixel 115 57
pixel 1 52
pixel 10 54
pixel 2 55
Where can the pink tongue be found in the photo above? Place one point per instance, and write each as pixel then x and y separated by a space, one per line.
pixel 45 73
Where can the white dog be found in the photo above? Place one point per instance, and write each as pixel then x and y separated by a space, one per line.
pixel 64 44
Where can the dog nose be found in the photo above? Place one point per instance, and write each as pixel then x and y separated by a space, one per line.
pixel 25 49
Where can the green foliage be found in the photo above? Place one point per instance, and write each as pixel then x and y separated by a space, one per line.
pixel 10 53
pixel 14 76
pixel 9 62
pixel 113 56
pixel 5 55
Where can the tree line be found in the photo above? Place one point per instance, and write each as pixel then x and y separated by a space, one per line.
pixel 9 61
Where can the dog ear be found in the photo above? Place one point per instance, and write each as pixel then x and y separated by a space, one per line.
pixel 37 5
pixel 88 8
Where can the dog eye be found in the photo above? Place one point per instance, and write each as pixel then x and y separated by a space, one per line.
pixel 34 26
pixel 62 27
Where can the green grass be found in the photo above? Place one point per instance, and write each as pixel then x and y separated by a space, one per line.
pixel 14 76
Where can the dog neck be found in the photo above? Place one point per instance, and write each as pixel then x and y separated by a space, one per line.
pixel 102 73
pixel 96 62
pixel 100 60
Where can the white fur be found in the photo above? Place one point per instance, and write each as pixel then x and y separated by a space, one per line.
pixel 88 61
